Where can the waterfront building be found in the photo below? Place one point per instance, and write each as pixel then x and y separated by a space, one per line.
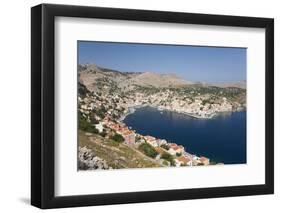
pixel 204 160
pixel 176 148
pixel 183 160
pixel 129 136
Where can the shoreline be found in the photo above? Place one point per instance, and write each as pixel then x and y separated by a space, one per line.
pixel 132 109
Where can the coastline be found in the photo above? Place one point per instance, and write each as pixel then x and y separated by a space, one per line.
pixel 132 109
pixel 221 116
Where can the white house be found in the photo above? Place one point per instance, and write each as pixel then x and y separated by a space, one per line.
pixel 99 127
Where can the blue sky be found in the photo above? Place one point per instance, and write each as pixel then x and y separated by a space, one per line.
pixel 193 63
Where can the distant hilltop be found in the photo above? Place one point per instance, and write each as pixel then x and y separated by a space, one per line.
pixel 90 75
pixel 127 80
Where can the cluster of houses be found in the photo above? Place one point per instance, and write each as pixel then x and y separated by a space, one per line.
pixel 197 109
pixel 128 135
pixel 181 157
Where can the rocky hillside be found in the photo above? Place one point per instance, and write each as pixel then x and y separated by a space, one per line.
pixel 158 80
pixel 106 96
pixel 88 161
pixel 97 152
pixel 92 76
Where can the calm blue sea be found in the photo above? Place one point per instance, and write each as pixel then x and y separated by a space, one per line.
pixel 222 139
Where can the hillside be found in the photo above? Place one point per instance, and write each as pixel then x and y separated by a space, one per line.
pixel 158 80
pixel 116 155
pixel 106 97
pixel 91 75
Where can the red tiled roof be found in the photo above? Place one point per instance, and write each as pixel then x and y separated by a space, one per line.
pixel 149 138
pixel 202 158
pixel 183 159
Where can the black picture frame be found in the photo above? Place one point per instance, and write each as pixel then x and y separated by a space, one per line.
pixel 43 102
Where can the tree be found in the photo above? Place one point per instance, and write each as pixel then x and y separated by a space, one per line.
pixel 148 150
pixel 118 138
pixel 85 125
pixel 165 163
pixel 101 112
pixel 168 157
pixel 178 154
pixel 82 90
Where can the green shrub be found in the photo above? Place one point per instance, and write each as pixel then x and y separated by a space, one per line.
pixel 168 157
pixel 148 150
pixel 101 112
pixel 204 102
pixel 86 126
pixel 82 90
pixel 166 163
pixel 118 138
pixel 178 154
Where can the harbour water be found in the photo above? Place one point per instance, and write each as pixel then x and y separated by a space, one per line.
pixel 222 138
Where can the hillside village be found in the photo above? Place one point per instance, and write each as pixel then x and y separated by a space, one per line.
pixel 106 97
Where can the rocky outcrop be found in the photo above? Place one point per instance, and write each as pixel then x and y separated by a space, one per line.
pixel 88 161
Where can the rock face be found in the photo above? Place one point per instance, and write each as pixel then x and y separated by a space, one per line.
pixel 88 161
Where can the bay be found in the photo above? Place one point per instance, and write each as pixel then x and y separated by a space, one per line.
pixel 222 138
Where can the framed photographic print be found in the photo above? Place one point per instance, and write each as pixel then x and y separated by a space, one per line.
pixel 140 106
